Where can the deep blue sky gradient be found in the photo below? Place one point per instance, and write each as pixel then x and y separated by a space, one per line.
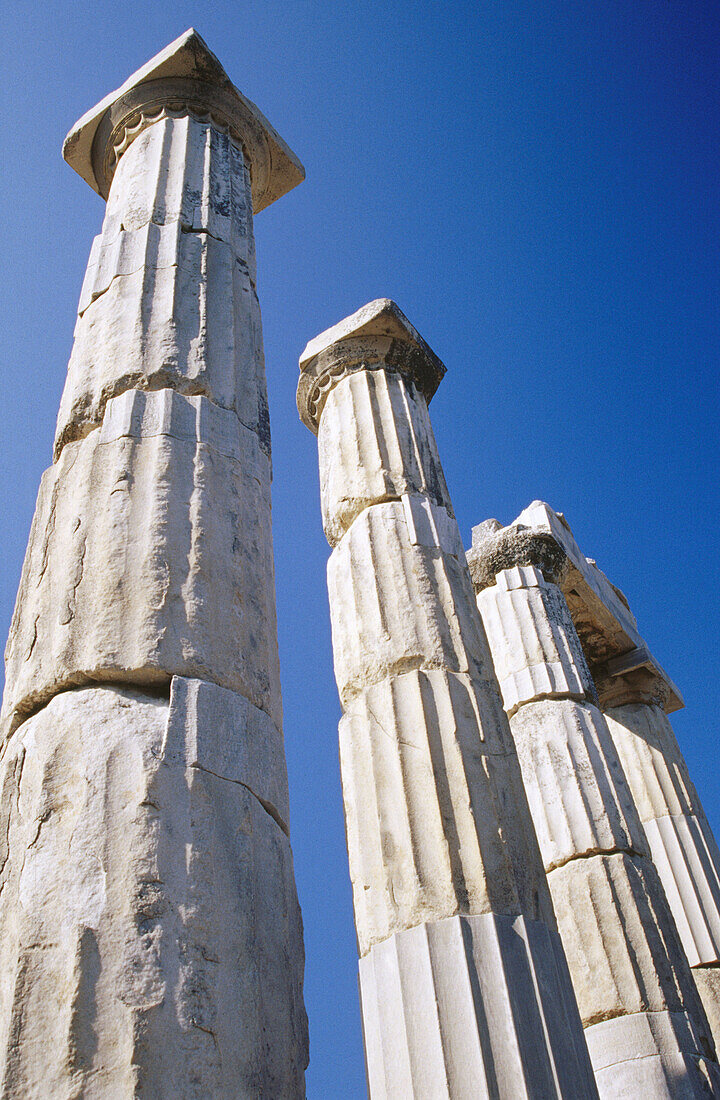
pixel 536 184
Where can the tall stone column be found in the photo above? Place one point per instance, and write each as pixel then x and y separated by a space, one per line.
pixel 645 1026
pixel 636 695
pixel 464 987
pixel 150 934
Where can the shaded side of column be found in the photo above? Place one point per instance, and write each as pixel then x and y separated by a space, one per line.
pixel 464 987
pixel 151 934
pixel 646 1030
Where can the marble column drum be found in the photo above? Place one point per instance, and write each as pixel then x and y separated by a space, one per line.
pixel 464 987
pixel 646 1030
pixel 636 695
pixel 150 933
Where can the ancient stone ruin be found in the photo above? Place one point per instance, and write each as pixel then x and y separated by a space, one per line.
pixel 535 883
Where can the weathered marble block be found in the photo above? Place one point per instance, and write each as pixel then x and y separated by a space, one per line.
pixel 375 442
pixel 503 1020
pixel 577 791
pixel 396 605
pixel 168 583
pixel 651 1054
pixel 180 312
pixel 429 777
pixel 536 651
pixel 150 936
pixel 185 170
pixel 620 941
pixel 652 759
pixel 221 732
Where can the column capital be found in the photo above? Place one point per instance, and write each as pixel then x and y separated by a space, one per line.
pixel 184 78
pixel 621 664
pixel 496 548
pixel 378 336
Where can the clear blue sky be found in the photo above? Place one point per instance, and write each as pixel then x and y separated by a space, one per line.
pixel 536 184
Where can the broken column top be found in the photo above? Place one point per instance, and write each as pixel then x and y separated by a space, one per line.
pixel 184 77
pixel 620 660
pixel 377 335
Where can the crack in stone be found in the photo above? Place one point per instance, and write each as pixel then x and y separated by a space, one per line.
pixel 267 806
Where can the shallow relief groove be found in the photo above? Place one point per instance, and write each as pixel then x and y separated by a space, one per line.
pixel 430 782
pixel 375 443
pixel 167 301
pixel 487 1035
pixel 134 882
pixel 167 583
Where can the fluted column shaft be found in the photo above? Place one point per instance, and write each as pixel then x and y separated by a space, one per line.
pixel 646 1030
pixel 150 934
pixel 464 988
pixel 682 845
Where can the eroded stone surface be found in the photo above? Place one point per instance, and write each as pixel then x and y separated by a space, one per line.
pixel 377 336
pixel 607 628
pixel 437 822
pixel 623 950
pixel 536 650
pixel 503 1021
pixel 135 573
pixel 375 443
pixel 184 171
pixel 185 74
pixel 620 941
pixel 707 979
pixel 682 844
pixel 396 605
pixel 151 941
pixel 653 1054
pixel 429 776
pixel 165 305
pixel 577 791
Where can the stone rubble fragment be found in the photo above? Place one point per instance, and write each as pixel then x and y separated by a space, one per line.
pixel 622 945
pixel 150 933
pixel 463 981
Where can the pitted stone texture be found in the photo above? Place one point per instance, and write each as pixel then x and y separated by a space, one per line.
pixel 651 1054
pixel 578 795
pixel 186 171
pixel 434 806
pixel 397 606
pixel 181 312
pixel 620 941
pixel 535 648
pixel 472 1007
pixel 707 980
pixel 682 845
pixel 375 442
pixel 133 573
pixel 150 937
